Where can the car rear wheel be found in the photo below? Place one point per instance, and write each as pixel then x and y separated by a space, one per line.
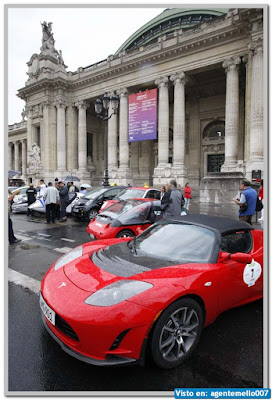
pixel 92 214
pixel 176 333
pixel 125 233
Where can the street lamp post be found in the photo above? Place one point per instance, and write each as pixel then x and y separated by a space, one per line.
pixel 99 105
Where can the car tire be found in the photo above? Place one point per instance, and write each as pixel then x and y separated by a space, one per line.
pixel 125 233
pixel 176 333
pixel 92 214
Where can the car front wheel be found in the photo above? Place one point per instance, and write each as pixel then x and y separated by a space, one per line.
pixel 176 333
pixel 92 214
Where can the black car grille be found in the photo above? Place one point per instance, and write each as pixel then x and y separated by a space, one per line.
pixel 65 328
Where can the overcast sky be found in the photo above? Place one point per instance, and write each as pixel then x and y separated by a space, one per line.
pixel 85 36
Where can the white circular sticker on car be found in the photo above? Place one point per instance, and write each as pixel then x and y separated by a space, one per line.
pixel 252 273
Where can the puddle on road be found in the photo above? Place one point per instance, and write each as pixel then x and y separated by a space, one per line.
pixel 29 246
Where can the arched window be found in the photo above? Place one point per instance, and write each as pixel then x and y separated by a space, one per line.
pixel 215 130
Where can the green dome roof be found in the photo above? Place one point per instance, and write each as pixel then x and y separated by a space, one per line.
pixel 166 22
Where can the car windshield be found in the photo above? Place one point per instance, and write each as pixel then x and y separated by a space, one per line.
pixel 117 210
pixel 95 193
pixel 131 194
pixel 181 243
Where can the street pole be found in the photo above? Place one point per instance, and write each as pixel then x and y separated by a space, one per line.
pixel 106 176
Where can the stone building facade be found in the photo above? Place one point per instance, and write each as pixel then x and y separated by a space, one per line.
pixel 208 68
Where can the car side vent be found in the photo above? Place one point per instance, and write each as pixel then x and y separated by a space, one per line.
pixel 118 340
pixel 65 328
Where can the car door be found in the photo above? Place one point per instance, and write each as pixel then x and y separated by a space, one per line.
pixel 239 282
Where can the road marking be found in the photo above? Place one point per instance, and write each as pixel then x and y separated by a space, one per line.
pixel 63 249
pixel 67 240
pixel 43 238
pixel 43 234
pixel 24 281
pixel 22 237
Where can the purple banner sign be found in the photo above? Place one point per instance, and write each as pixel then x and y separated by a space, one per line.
pixel 142 116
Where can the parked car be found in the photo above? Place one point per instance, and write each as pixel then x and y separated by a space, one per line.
pixel 21 195
pixel 124 219
pixel 88 206
pixel 39 205
pixel 133 192
pixel 20 206
pixel 153 293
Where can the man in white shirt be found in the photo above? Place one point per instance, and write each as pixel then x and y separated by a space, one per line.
pixel 42 187
pixel 51 196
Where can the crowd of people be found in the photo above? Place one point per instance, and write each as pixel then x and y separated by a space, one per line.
pixel 56 199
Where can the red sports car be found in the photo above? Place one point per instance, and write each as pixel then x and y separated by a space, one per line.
pixel 106 302
pixel 133 192
pixel 124 219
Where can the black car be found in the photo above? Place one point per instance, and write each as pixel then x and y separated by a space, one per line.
pixel 88 206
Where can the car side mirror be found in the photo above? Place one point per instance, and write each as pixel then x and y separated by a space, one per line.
pixel 238 257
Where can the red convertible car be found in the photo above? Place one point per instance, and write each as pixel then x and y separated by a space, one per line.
pixel 133 192
pixel 106 302
pixel 124 219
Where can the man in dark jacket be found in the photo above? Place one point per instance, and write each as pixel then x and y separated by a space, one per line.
pixel 64 201
pixel 171 201
pixel 31 197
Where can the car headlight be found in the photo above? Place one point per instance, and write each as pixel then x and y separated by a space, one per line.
pixel 72 255
pixel 117 292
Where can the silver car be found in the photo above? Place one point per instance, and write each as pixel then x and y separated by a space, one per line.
pixel 39 205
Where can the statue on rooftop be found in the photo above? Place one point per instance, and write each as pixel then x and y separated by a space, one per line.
pixel 48 41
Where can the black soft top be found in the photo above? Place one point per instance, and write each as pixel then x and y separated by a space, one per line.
pixel 224 225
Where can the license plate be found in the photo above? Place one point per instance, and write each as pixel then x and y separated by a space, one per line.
pixel 47 311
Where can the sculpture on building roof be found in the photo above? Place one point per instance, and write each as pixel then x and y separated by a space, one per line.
pixel 48 41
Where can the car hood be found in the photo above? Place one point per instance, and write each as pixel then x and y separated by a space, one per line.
pixel 106 265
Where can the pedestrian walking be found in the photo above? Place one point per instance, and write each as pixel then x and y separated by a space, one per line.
pixel 42 187
pixel 64 201
pixel 247 202
pixel 187 195
pixel 260 194
pixel 12 238
pixel 172 201
pixel 51 197
pixel 31 197
pixel 72 187
pixel 163 191
pixel 83 190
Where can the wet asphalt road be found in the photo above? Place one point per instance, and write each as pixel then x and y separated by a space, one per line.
pixel 229 353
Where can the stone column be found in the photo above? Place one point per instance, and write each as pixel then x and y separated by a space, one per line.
pixel 163 170
pixel 247 59
pixel 256 112
pixel 46 135
pixel 231 115
pixel 29 111
pixel 163 121
pixel 112 145
pixel 178 169
pixel 24 160
pixel 16 155
pixel 82 135
pixel 10 156
pixel 72 138
pixel 61 137
pixel 124 172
